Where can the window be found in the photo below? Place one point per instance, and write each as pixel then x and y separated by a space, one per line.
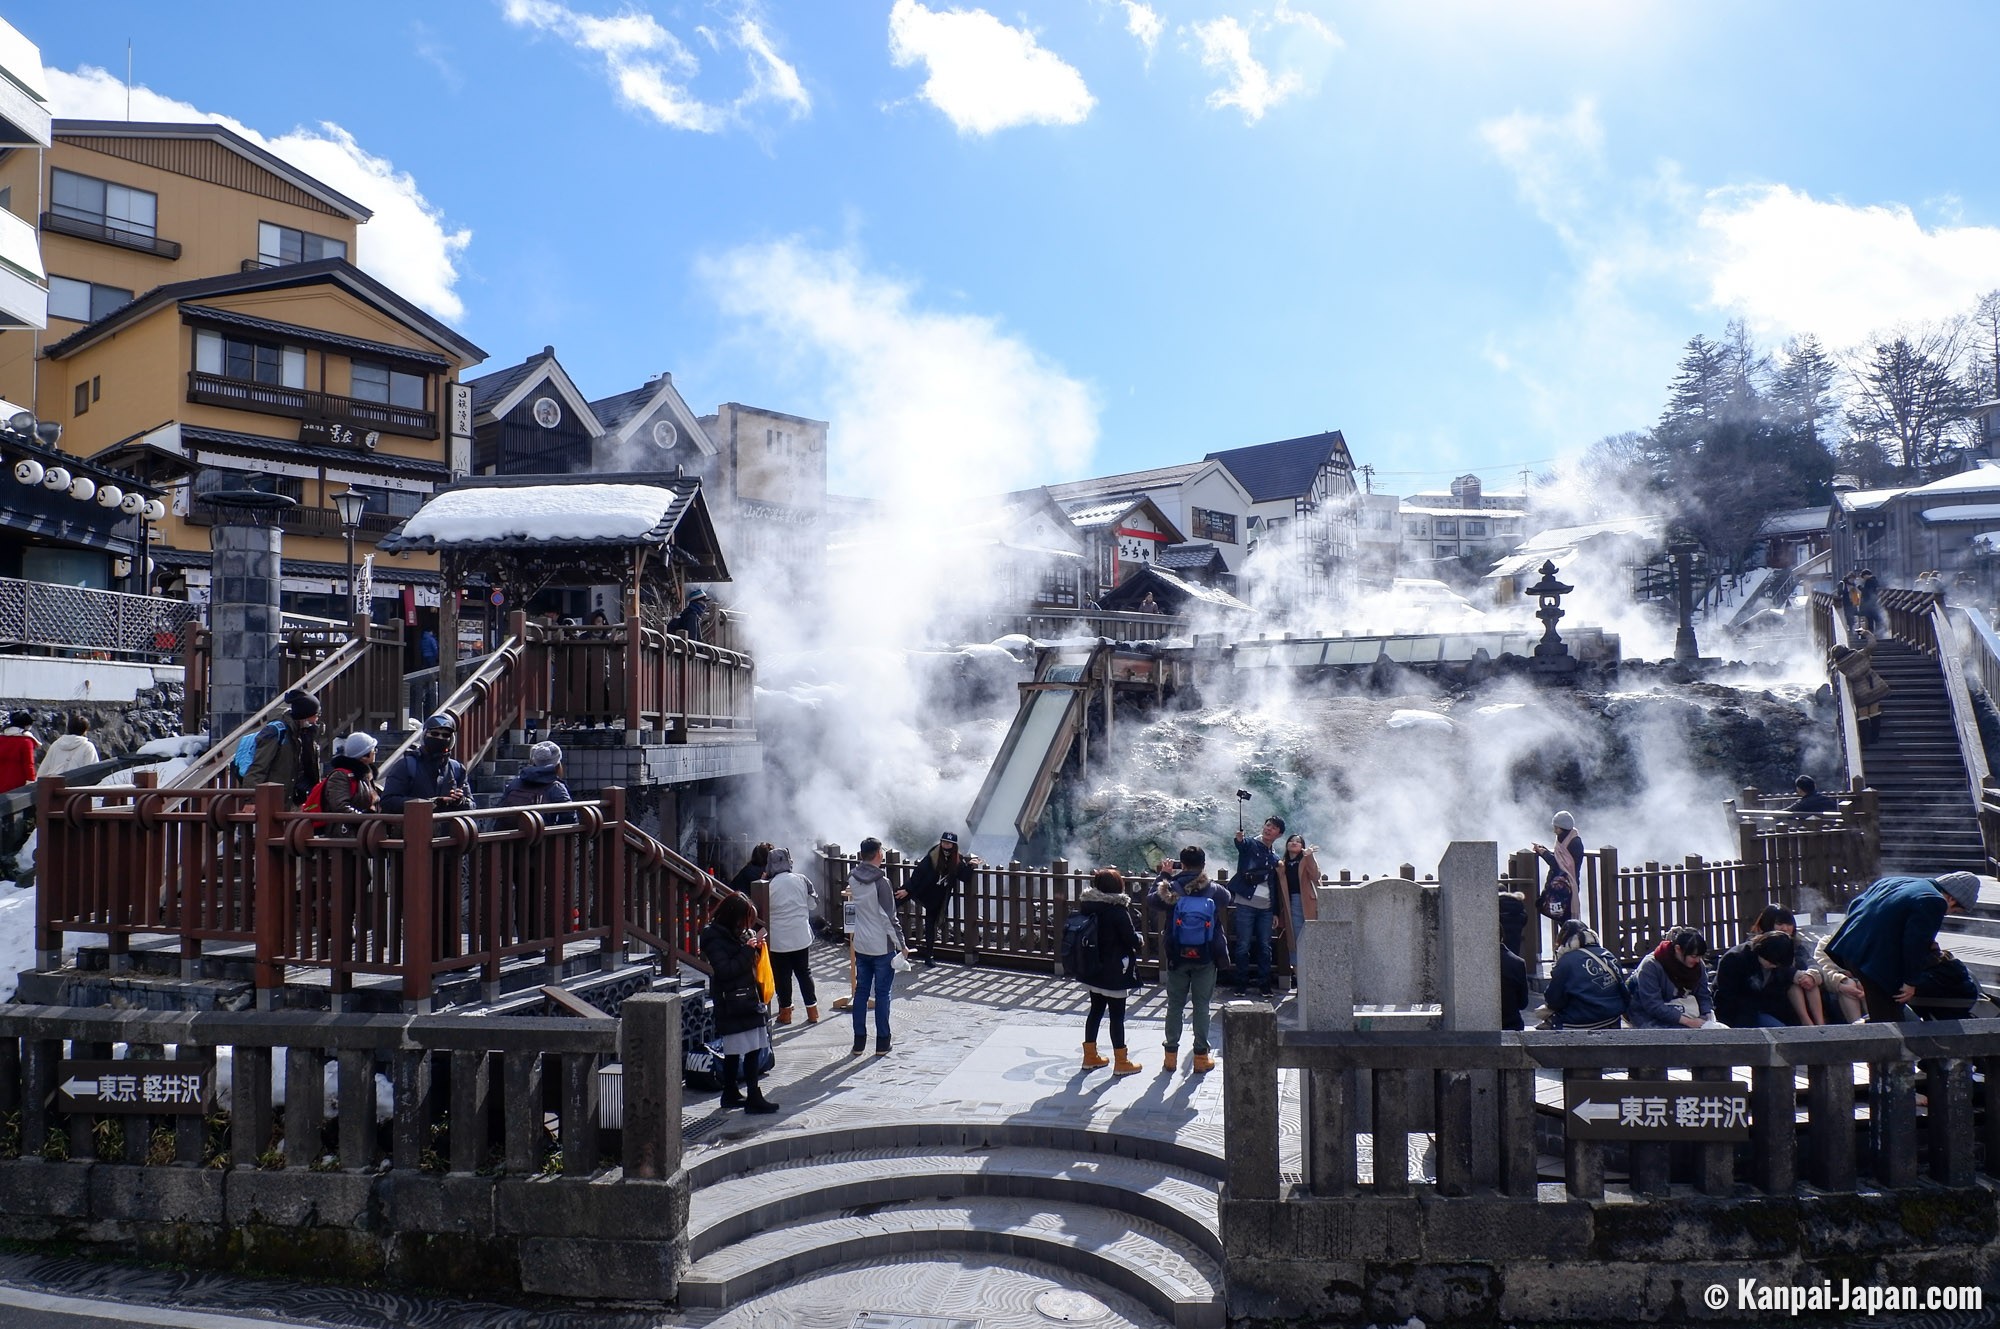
pixel 213 479
pixel 1447 551
pixel 82 398
pixel 398 503
pixel 1475 527
pixel 1414 529
pixel 1218 526
pixel 250 361
pixel 1447 526
pixel 378 382
pixel 84 301
pixel 114 207
pixel 281 244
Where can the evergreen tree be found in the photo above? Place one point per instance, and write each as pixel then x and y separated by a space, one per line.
pixel 1908 398
pixel 1802 388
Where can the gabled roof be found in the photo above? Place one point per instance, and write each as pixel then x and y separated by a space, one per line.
pixel 1171 592
pixel 1284 469
pixel 1795 521
pixel 338 341
pixel 1191 558
pixel 495 394
pixel 1091 514
pixel 322 272
pixel 224 138
pixel 625 414
pixel 1980 479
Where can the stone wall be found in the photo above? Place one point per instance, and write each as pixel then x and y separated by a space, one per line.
pixel 117 728
pixel 1303 1260
pixel 607 1238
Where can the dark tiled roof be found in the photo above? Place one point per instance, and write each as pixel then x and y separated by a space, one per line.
pixel 338 341
pixel 199 438
pixel 1176 557
pixel 323 272
pixel 489 388
pixel 1284 469
pixel 615 411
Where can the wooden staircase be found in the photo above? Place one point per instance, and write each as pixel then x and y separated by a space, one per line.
pixel 1929 823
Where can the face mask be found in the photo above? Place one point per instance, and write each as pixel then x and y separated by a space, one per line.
pixel 436 743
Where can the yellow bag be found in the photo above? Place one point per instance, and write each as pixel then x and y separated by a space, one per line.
pixel 766 982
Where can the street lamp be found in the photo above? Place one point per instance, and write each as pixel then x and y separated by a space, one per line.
pixel 350 505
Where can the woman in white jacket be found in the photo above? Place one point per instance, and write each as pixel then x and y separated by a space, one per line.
pixel 72 750
pixel 791 908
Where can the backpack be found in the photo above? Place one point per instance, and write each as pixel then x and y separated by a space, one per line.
pixel 525 796
pixel 1554 903
pixel 246 747
pixel 1081 956
pixel 1193 929
pixel 315 802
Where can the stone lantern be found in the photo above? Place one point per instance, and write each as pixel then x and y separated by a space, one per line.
pixel 1551 654
pixel 1686 651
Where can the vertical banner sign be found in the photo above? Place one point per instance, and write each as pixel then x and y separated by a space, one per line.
pixel 460 430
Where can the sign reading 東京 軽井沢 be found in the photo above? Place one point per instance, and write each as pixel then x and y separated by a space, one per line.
pixel 1656 1110
pixel 164 1087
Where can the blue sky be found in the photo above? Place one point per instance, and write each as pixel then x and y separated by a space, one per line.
pixel 1063 236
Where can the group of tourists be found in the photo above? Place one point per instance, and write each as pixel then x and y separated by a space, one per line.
pixel 23 759
pixel 1882 964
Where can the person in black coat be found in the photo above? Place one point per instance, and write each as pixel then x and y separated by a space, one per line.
pixel 933 881
pixel 1753 984
pixel 1112 981
pixel 731 943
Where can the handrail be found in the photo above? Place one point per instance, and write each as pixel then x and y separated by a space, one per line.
pixel 216 760
pixel 1965 720
pixel 489 672
pixel 1843 690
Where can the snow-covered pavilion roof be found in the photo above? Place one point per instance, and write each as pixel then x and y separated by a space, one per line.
pixel 551 514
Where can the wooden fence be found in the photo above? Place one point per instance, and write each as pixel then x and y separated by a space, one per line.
pixel 415 897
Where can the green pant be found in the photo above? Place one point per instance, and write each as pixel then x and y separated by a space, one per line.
pixel 1197 981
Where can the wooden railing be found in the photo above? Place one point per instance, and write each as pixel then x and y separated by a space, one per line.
pixel 415 896
pixel 304 404
pixel 495 698
pixel 356 677
pixel 642 680
pixel 1830 630
pixel 1423 1081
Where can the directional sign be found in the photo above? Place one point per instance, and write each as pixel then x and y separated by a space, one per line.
pixel 166 1088
pixel 1656 1110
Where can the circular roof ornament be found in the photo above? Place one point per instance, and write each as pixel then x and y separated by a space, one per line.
pixel 547 413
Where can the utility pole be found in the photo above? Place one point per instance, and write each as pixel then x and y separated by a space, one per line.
pixel 1367 477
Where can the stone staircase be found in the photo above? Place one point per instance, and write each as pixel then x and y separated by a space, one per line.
pixel 1929 824
pixel 1134 1213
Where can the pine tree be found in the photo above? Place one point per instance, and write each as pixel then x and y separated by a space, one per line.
pixel 1802 388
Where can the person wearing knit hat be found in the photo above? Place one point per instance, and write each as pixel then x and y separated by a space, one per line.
pixel 540 781
pixel 1562 899
pixel 287 751
pixel 350 780
pixel 1885 940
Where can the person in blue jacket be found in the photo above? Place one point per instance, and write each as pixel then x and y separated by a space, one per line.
pixel 1656 996
pixel 1885 940
pixel 1586 988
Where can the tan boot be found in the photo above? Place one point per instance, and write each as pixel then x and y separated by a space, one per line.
pixel 1091 1061
pixel 1170 1059
pixel 812 1015
pixel 1202 1064
pixel 784 1015
pixel 1124 1065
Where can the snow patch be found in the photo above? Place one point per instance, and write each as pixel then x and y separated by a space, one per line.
pixel 179 745
pixel 1419 720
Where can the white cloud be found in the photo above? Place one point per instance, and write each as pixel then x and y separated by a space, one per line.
pixel 1143 22
pixel 1551 159
pixel 408 244
pixel 984 75
pixel 925 402
pixel 1304 41
pixel 651 69
pixel 1789 263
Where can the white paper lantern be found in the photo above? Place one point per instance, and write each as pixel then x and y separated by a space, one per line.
pixel 82 489
pixel 155 509
pixel 28 471
pixel 57 477
pixel 133 505
pixel 110 496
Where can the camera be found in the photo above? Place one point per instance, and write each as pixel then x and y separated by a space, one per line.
pixel 1243 794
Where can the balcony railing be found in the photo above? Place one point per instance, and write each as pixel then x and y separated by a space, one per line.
pixel 302 404
pixel 110 235
pixel 34 613
pixel 310 521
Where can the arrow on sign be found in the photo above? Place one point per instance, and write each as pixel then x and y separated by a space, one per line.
pixel 76 1088
pixel 1596 1111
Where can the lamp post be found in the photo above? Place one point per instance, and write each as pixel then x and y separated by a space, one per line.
pixel 350 504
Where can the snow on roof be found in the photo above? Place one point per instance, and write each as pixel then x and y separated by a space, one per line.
pixel 1102 514
pixel 1861 500
pixel 1206 594
pixel 1516 564
pixel 1987 542
pixel 1964 512
pixel 550 514
pixel 1558 537
pixel 1981 479
pixel 1794 520
pixel 1474 513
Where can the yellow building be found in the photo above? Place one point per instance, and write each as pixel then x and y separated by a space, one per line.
pixel 207 324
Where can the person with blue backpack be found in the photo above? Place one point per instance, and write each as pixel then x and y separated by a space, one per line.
pixel 1253 886
pixel 429 770
pixel 285 752
pixel 1101 951
pixel 1193 907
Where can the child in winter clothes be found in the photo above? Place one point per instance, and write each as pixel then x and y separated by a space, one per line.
pixel 1118 949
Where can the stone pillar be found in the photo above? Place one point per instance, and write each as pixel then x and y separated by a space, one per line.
pixel 1469 974
pixel 245 626
pixel 1327 1110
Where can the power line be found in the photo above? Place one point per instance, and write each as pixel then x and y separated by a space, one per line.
pixel 1478 470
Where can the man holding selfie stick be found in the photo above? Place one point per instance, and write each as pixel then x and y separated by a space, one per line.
pixel 1253 894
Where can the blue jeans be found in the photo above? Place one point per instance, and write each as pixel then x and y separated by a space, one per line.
pixel 1253 930
pixel 1765 1020
pixel 874 975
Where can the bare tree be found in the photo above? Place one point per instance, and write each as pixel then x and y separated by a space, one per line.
pixel 1906 395
pixel 1984 373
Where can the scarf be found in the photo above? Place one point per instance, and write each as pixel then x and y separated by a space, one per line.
pixel 1686 977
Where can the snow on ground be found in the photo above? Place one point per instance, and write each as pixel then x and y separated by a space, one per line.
pixel 180 745
pixel 167 770
pixel 1419 720
pixel 17 935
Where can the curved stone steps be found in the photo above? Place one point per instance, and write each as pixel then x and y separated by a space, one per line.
pixel 736 1209
pixel 1141 1259
pixel 708 1166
